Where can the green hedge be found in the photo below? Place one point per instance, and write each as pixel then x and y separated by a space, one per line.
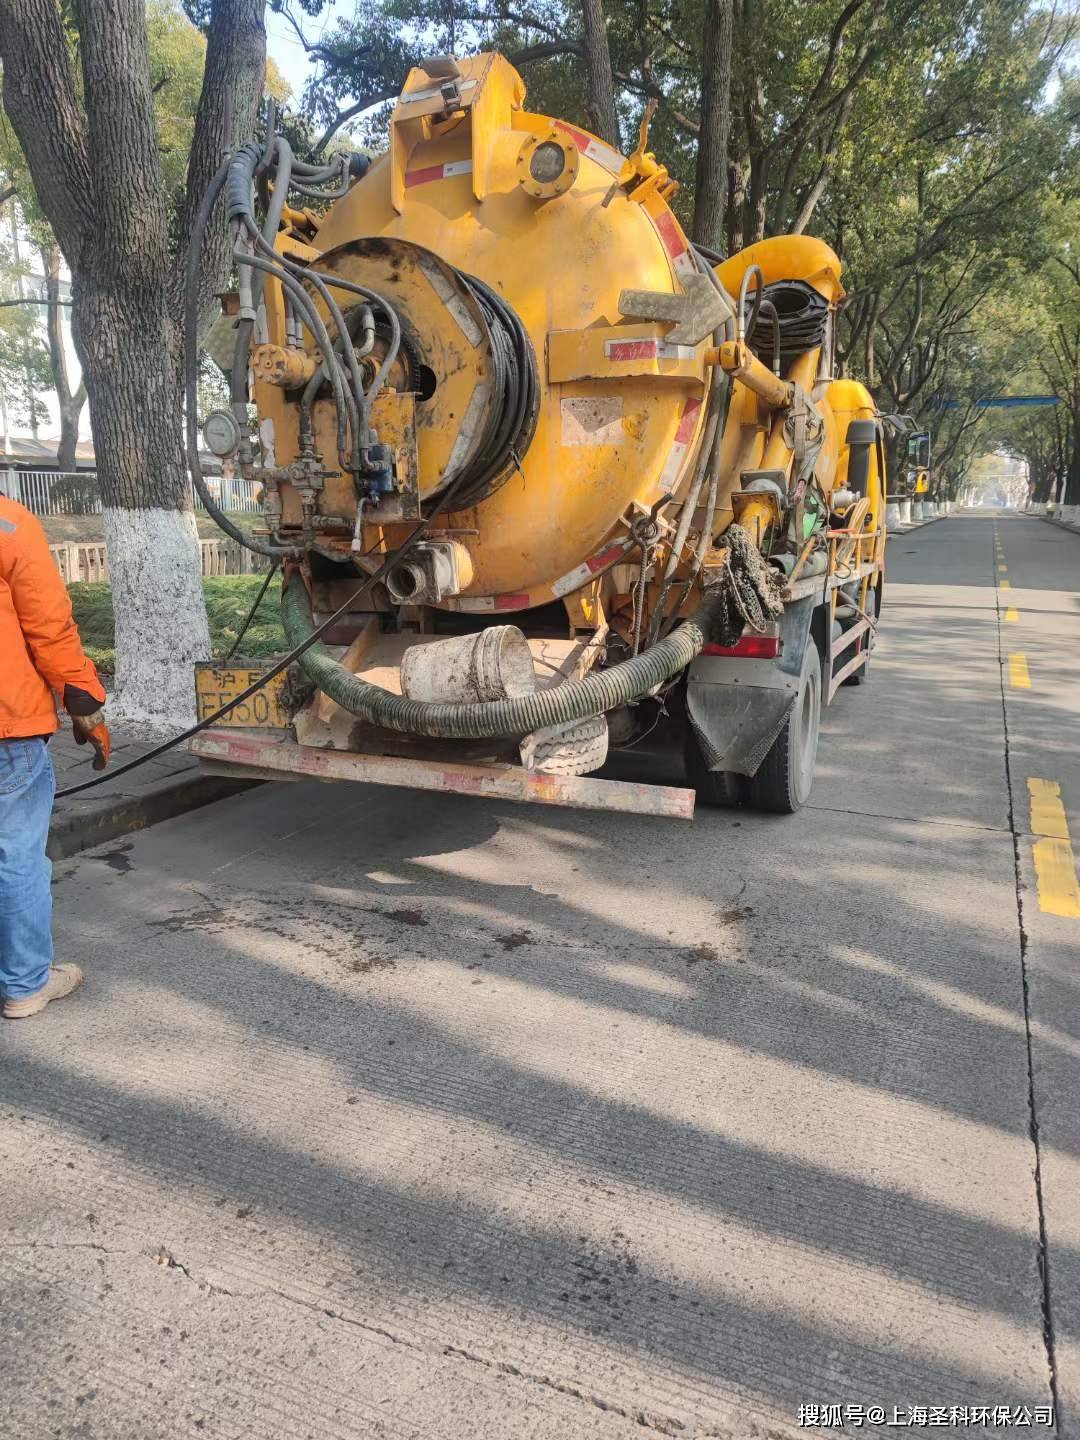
pixel 228 600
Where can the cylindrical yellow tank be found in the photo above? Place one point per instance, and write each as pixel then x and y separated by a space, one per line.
pixel 620 411
pixel 480 208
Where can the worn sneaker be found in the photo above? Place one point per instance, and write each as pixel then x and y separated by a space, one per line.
pixel 63 979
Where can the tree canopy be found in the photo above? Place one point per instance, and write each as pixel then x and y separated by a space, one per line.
pixel 933 145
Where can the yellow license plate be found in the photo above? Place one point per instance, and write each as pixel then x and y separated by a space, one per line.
pixel 216 685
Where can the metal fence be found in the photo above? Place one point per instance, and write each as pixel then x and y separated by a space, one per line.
pixel 54 492
pixel 63 492
pixel 233 494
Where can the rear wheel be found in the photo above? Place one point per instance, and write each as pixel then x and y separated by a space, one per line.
pixel 783 781
pixel 722 789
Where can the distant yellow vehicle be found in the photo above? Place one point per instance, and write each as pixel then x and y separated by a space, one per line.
pixel 495 382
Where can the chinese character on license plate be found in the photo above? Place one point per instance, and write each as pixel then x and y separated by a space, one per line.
pixel 216 685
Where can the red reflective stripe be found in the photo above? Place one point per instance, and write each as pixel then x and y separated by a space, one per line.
pixel 597 562
pixel 633 350
pixel 421 177
pixel 579 137
pixel 674 241
pixel 687 423
pixel 511 602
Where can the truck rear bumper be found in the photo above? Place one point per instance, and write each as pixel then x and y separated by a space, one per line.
pixel 263 755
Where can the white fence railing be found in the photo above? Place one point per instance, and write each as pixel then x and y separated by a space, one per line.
pixel 54 492
pixel 236 495
pixel 78 561
pixel 63 492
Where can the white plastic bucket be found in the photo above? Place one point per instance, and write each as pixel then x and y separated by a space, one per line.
pixel 493 664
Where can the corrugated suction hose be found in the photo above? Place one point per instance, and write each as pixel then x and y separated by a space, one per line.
pixel 596 693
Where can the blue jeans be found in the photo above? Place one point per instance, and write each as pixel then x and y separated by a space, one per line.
pixel 27 785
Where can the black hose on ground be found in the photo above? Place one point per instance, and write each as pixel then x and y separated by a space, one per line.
pixel 596 693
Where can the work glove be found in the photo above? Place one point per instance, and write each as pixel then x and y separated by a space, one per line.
pixel 92 729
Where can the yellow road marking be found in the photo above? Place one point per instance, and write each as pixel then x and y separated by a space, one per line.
pixel 1055 863
pixel 1003 569
pixel 1012 613
pixel 1005 585
pixel 1019 678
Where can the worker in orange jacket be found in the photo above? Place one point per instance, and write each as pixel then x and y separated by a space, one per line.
pixel 41 657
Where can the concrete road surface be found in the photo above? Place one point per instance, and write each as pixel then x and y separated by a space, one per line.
pixel 389 1114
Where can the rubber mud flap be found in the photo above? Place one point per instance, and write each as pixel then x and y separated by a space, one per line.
pixel 736 725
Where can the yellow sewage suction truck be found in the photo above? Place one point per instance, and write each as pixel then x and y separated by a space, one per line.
pixel 542 476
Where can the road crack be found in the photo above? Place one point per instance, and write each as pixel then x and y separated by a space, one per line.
pixel 1043 1256
pixel 666 1425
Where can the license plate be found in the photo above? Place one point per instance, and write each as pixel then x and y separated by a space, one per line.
pixel 216 685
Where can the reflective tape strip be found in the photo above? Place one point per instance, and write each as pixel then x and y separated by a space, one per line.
pixel 582 574
pixel 7 527
pixel 437 172
pixel 669 476
pixel 620 350
pixel 492 602
pixel 675 243
pixel 595 149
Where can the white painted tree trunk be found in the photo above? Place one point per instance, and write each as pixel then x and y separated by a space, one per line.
pixel 161 626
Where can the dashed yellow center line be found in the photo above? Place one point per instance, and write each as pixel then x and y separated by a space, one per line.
pixel 1012 614
pixel 1019 678
pixel 1055 863
pixel 1003 569
pixel 1005 585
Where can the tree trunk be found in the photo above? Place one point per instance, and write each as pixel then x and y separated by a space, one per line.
pixel 711 180
pixel 70 414
pixel 70 403
pixel 598 74
pixel 1070 480
pixel 228 114
pixel 97 174
pixel 130 345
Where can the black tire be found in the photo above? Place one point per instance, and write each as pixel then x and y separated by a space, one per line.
pixel 783 782
pixel 720 789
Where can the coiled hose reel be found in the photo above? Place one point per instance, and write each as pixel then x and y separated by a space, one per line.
pixel 802 316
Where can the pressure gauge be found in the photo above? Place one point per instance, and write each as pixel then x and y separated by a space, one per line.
pixel 221 433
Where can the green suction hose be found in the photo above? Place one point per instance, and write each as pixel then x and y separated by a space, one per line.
pixel 596 693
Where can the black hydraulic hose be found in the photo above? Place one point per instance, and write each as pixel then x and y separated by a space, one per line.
pixel 275 209
pixel 744 328
pixel 305 273
pixel 240 175
pixel 768 309
pixel 310 276
pixel 191 376
pixel 596 693
pixel 322 338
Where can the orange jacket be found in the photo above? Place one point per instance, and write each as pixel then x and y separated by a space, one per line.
pixel 40 650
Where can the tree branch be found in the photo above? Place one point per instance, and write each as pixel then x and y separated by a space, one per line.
pixel 40 97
